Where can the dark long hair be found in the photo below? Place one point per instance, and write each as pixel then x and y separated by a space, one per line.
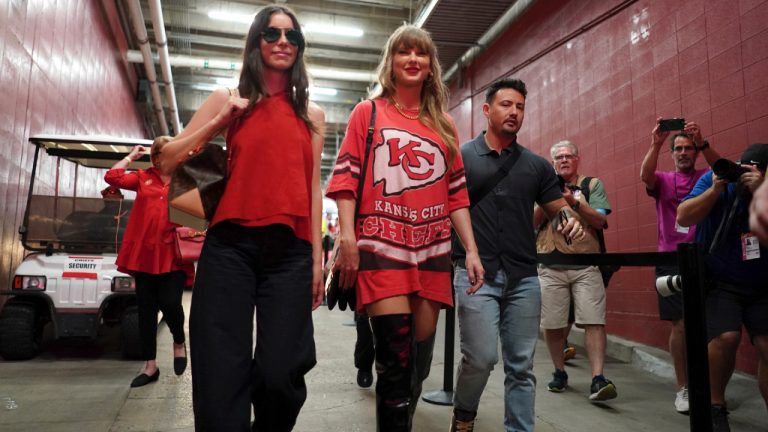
pixel 252 85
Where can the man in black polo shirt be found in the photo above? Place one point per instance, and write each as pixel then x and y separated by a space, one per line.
pixel 508 304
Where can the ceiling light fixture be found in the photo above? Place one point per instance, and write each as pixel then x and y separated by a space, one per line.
pixel 227 82
pixel 325 91
pixel 333 30
pixel 231 17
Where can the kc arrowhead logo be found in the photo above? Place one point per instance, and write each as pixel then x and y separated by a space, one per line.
pixel 405 161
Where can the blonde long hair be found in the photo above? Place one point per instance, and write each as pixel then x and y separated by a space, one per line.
pixel 434 94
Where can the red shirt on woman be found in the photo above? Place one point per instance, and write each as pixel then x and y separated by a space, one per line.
pixel 404 227
pixel 270 169
pixel 147 245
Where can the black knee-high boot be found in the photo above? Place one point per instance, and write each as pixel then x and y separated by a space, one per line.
pixel 394 367
pixel 422 363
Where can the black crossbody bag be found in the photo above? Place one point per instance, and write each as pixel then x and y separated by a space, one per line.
pixel 333 292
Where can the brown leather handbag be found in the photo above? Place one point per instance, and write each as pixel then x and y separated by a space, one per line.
pixel 197 186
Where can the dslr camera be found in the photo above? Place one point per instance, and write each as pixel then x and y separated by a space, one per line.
pixel 669 285
pixel 728 170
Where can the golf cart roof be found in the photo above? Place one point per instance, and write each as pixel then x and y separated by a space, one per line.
pixel 92 151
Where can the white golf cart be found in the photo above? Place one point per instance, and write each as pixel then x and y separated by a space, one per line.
pixel 69 278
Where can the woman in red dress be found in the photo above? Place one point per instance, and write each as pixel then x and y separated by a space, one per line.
pixel 263 250
pixel 147 254
pixel 396 250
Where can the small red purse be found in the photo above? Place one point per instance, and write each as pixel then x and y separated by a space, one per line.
pixel 189 244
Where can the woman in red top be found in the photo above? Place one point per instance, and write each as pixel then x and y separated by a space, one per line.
pixel 147 253
pixel 396 250
pixel 263 249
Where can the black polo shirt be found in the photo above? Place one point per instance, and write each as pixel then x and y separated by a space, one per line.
pixel 503 219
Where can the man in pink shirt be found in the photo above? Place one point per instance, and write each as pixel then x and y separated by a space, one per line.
pixel 668 188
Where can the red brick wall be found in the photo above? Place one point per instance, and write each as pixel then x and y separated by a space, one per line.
pixel 60 73
pixel 604 87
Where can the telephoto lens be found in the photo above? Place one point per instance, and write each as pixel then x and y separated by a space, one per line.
pixel 728 170
pixel 669 285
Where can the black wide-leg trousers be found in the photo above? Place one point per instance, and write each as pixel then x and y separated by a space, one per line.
pixel 242 269
pixel 159 292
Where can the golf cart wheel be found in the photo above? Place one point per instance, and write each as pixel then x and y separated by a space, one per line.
pixel 130 334
pixel 19 338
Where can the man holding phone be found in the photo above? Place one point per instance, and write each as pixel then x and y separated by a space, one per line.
pixel 669 188
pixel 582 285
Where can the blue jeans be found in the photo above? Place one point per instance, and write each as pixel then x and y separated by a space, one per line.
pixel 512 311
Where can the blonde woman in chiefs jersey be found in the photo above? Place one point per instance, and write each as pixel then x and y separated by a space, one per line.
pixel 396 250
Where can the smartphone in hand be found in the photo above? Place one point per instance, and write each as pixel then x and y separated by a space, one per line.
pixel 673 124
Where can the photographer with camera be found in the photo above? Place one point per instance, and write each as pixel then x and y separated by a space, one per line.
pixel 736 266
pixel 583 285
pixel 668 188
pixel 758 223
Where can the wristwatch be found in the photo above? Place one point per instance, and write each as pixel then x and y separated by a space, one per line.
pixel 576 206
pixel 704 145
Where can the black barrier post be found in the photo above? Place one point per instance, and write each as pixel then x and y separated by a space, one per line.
pixel 445 396
pixel 691 261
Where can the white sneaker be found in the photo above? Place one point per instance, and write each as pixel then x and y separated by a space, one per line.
pixel 681 400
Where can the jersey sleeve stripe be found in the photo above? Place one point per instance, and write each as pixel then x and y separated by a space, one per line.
pixel 346 166
pixel 457 183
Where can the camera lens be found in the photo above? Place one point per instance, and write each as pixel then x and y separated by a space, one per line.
pixel 728 170
pixel 669 285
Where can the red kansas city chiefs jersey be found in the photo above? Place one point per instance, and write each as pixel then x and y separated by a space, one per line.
pixel 403 227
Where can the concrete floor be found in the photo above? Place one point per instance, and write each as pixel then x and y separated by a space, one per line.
pixel 83 387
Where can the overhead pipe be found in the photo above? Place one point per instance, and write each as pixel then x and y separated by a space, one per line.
pixel 158 25
pixel 134 56
pixel 510 16
pixel 140 31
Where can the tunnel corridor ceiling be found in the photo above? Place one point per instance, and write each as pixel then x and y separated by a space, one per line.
pixel 203 35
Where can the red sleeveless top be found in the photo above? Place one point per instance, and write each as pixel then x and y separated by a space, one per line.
pixel 270 169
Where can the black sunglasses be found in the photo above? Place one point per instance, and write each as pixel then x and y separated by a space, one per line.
pixel 272 35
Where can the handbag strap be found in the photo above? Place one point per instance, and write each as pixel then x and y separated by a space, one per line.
pixel 585 191
pixel 368 142
pixel 200 146
pixel 478 193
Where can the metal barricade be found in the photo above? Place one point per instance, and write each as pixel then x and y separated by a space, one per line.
pixel 690 259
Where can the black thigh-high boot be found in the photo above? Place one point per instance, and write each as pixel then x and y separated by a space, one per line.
pixel 394 367
pixel 422 363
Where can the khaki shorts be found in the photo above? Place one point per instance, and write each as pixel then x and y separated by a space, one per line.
pixel 557 286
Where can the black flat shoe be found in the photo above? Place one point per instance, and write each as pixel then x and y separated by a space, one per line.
pixel 179 365
pixel 364 378
pixel 144 379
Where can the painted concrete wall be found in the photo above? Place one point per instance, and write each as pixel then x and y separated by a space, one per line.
pixel 599 72
pixel 61 72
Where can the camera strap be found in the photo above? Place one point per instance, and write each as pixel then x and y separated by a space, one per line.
pixel 585 191
pixel 476 194
pixel 727 220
